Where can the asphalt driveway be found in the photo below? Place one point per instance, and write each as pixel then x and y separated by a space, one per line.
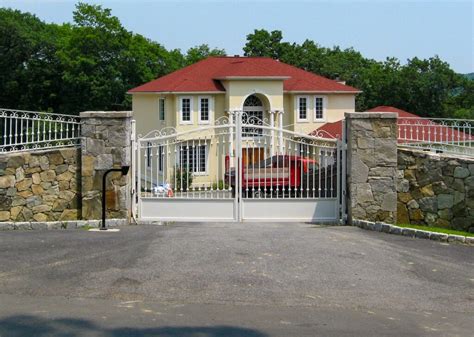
pixel 233 280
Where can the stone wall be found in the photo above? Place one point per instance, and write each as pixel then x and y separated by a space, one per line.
pixel 105 144
pixel 435 189
pixel 372 166
pixel 40 186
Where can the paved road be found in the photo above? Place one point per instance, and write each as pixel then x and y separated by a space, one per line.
pixel 213 280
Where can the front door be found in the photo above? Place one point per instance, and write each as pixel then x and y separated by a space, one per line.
pixel 251 156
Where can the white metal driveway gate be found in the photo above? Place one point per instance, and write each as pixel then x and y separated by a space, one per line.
pixel 238 169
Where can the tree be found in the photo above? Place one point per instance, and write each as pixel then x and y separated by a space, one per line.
pixel 201 52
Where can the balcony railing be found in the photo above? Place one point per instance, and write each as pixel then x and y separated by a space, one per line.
pixel 437 134
pixel 28 130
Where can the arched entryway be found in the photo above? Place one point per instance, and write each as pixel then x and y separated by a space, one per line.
pixel 253 114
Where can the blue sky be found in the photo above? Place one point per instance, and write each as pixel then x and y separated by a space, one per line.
pixel 378 29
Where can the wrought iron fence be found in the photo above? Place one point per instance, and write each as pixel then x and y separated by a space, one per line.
pixel 26 130
pixel 437 134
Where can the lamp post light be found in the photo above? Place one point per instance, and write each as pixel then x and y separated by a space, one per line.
pixel 124 170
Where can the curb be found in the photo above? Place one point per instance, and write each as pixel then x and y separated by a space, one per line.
pixel 411 232
pixel 50 225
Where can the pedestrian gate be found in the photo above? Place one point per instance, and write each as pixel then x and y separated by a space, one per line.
pixel 238 169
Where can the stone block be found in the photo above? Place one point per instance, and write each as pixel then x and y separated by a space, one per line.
pixel 65 176
pixel 19 174
pixel 15 211
pixel 69 214
pixel 412 204
pixel 7 181
pixel 44 162
pixel 404 197
pixel 428 204
pixel 445 201
pixel 24 184
pixel 18 201
pixel 389 202
pixel 402 214
pixel 403 185
pixel 36 178
pixel 104 162
pixel 395 230
pixel 4 215
pixel 40 217
pixel 408 232
pixel 422 234
pixel 415 214
pixel 385 228
pixel 461 172
pixel 456 238
pixel 360 171
pixel 427 190
pixel 439 236
pixel 37 189
pixel 88 163
pixel 41 208
pixel 48 176
pixel 61 168
pixel 15 161
pixel 25 193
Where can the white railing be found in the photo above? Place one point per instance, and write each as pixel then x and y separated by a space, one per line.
pixel 437 134
pixel 27 130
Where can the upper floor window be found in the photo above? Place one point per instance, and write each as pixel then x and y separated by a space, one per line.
pixel 161 109
pixel 319 108
pixel 204 109
pixel 186 110
pixel 302 108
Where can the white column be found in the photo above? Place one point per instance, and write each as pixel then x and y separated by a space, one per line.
pixel 280 134
pixel 272 132
pixel 231 133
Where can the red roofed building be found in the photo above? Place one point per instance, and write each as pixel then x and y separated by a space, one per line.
pixel 411 128
pixel 275 93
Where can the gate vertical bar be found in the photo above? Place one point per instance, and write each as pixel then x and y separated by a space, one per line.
pixel 139 180
pixel 134 170
pixel 344 173
pixel 238 166
pixel 237 116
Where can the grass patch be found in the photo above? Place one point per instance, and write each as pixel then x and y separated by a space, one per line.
pixel 437 229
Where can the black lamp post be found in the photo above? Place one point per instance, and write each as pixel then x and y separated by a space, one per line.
pixel 124 170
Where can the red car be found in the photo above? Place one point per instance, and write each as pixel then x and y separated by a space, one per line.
pixel 278 175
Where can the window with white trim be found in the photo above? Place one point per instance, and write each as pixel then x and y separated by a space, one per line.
pixel 186 109
pixel 319 108
pixel 193 158
pixel 204 109
pixel 302 108
pixel 161 109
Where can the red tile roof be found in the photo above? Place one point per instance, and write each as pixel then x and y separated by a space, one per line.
pixel 204 76
pixel 411 128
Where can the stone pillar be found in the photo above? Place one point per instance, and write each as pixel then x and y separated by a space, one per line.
pixel 372 166
pixel 106 144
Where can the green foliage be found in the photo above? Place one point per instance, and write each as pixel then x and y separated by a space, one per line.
pixel 92 62
pixel 221 185
pixel 183 179
pixel 201 52
pixel 87 65
pixel 437 229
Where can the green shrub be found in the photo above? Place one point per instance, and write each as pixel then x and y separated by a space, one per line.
pixel 183 179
